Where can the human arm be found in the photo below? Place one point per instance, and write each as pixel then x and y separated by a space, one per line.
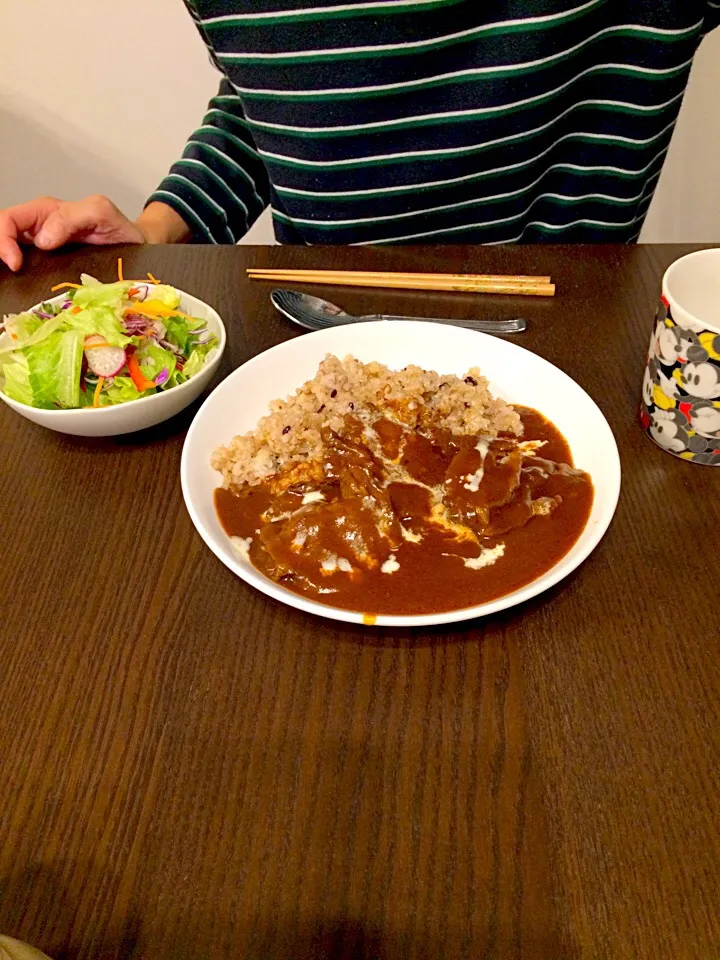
pixel 219 186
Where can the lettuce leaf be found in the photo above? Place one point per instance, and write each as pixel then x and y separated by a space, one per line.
pixel 16 383
pixel 54 368
pixel 100 320
pixel 153 359
pixel 94 294
pixel 198 358
pixel 177 332
pixel 25 329
pixel 122 390
pixel 175 379
pixel 22 325
pixel 47 375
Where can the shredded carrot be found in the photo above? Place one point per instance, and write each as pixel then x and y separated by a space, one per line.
pixel 120 273
pixel 102 343
pixel 137 376
pixel 152 279
pixel 133 291
pixel 96 395
pixel 59 286
pixel 75 310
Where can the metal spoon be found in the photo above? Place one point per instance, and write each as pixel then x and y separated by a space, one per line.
pixel 316 314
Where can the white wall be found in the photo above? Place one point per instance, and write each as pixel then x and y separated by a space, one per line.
pixel 108 110
pixel 130 79
pixel 686 207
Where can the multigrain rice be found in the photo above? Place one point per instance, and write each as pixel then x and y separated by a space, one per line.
pixel 419 399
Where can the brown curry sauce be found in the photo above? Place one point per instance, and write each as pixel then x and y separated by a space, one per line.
pixel 289 538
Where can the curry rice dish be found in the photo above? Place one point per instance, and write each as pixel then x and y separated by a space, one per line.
pixel 400 492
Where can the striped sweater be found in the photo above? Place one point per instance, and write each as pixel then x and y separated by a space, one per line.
pixel 410 121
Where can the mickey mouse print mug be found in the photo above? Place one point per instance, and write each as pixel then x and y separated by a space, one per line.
pixel 680 407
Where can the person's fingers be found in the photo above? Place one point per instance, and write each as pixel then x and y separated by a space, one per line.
pixel 50 223
pixel 57 230
pixel 29 217
pixel 21 223
pixel 65 223
pixel 10 253
pixel 94 220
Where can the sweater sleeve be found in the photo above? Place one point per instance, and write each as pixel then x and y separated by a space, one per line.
pixel 712 15
pixel 220 185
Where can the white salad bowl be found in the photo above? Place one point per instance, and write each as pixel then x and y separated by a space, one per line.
pixel 135 414
pixel 515 374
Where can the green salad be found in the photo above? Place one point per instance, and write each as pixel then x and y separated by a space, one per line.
pixel 104 343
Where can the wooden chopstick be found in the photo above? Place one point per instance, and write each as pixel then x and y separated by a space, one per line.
pixel 433 282
pixel 396 275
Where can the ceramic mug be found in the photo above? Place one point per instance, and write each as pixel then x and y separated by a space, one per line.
pixel 680 407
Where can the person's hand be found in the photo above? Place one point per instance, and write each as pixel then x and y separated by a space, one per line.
pixel 50 223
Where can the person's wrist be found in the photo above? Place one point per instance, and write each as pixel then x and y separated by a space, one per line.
pixel 159 223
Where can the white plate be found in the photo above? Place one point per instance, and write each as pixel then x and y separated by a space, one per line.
pixel 136 414
pixel 514 374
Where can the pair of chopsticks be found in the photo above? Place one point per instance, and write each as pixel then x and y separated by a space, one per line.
pixel 460 282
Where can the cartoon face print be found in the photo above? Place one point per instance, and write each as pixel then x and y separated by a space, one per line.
pixel 712 459
pixel 672 345
pixel 667 432
pixel 710 342
pixel 697 354
pixel 698 444
pixel 668 346
pixel 668 386
pixel 705 419
pixel 648 383
pixel 688 340
pixel 701 380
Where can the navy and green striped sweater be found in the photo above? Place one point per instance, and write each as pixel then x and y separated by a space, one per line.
pixel 410 121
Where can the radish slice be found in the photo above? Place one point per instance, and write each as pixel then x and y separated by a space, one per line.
pixel 105 361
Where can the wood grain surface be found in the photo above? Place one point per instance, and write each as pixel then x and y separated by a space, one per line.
pixel 191 770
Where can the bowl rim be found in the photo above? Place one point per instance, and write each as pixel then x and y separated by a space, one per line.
pixel 104 411
pixel 592 533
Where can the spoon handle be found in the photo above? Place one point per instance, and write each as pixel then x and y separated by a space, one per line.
pixel 485 326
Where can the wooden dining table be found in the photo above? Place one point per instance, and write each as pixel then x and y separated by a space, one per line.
pixel 190 769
